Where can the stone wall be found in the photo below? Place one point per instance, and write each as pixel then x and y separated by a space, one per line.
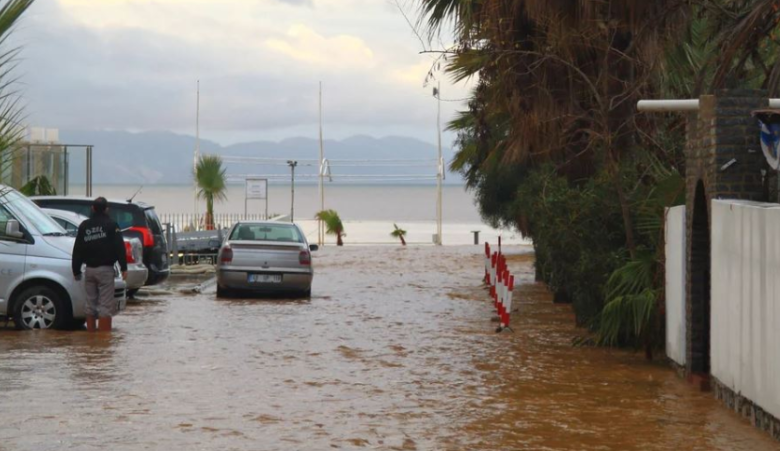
pixel 723 161
pixel 747 409
pixel 723 154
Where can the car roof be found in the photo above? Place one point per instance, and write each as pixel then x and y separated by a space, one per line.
pixel 267 223
pixel 143 205
pixel 65 214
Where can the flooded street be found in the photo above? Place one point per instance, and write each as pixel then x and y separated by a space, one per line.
pixel 394 351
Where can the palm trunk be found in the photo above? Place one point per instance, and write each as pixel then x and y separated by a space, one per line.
pixel 403 241
pixel 339 242
pixel 210 213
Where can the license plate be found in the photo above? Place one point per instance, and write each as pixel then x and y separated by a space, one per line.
pixel 265 278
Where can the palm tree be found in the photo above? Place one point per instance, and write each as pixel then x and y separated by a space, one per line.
pixel 333 224
pixel 212 184
pixel 11 111
pixel 38 186
pixel 399 233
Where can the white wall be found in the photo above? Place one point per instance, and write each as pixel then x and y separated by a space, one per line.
pixel 745 304
pixel 675 284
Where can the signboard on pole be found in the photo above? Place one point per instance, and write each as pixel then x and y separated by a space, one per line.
pixel 257 189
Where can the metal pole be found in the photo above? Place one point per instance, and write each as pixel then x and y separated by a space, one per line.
pixel 320 228
pixel 196 156
pixel 439 174
pixel 670 105
pixel 89 171
pixel 66 171
pixel 292 164
pixel 245 197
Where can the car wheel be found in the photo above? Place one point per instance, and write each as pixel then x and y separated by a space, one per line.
pixel 131 293
pixel 222 292
pixel 40 308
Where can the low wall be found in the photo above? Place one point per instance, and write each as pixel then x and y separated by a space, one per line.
pixel 675 284
pixel 745 308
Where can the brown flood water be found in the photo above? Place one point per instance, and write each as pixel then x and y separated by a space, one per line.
pixel 395 351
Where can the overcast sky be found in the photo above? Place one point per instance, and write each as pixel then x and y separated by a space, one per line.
pixel 133 65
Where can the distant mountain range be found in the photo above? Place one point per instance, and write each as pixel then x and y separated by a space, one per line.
pixel 151 158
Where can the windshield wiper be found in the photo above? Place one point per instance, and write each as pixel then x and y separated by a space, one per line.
pixel 55 234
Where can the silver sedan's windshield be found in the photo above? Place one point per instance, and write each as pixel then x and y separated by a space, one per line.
pixel 266 232
pixel 30 213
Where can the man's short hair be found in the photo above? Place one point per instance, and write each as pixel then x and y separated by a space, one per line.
pixel 100 205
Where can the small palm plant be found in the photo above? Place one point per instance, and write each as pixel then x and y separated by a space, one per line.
pixel 399 233
pixel 212 184
pixel 38 186
pixel 333 224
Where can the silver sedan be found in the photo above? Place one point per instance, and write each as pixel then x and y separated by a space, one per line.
pixel 265 257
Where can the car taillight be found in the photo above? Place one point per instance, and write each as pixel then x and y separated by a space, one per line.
pixel 226 257
pixel 304 258
pixel 129 252
pixel 146 234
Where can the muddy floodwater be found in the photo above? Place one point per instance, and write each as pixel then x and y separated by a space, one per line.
pixel 394 351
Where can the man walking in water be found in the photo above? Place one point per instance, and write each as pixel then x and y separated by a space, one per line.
pixel 99 244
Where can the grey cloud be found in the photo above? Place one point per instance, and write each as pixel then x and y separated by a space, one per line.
pixel 128 78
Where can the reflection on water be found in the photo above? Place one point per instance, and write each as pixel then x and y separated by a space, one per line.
pixel 393 351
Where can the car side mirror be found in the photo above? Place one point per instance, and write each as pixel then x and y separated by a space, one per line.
pixel 314 248
pixel 13 229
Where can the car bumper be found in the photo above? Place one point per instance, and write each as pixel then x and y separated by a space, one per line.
pixel 155 277
pixel 238 280
pixel 136 277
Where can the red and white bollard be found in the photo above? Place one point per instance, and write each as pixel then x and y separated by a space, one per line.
pixel 493 269
pixel 501 283
pixel 487 263
pixel 499 290
pixel 506 317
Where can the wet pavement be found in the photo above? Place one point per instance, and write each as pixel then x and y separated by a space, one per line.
pixel 395 351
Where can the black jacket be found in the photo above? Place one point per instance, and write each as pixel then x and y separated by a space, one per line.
pixel 99 243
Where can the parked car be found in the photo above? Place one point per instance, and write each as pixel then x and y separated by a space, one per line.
pixel 37 288
pixel 136 219
pixel 136 270
pixel 265 257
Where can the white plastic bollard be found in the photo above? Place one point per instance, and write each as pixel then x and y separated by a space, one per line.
pixel 508 307
pixel 500 291
pixel 493 263
pixel 487 264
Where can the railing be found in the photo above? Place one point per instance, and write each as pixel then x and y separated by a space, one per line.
pixel 189 222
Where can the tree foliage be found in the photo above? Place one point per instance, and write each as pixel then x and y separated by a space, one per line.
pixel 552 145
pixel 333 224
pixel 212 184
pixel 399 233
pixel 38 186
pixel 11 110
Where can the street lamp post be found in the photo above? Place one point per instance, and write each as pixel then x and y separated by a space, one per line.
pixel 292 165
pixel 439 167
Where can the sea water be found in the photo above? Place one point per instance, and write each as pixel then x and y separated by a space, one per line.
pixel 367 211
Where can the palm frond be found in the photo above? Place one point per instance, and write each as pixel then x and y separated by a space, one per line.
pixel 11 108
pixel 210 178
pixel 398 232
pixel 333 224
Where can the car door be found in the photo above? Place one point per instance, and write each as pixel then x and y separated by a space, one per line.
pixel 13 255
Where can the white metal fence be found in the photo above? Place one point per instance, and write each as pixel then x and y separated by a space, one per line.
pixel 675 284
pixel 189 222
pixel 746 300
